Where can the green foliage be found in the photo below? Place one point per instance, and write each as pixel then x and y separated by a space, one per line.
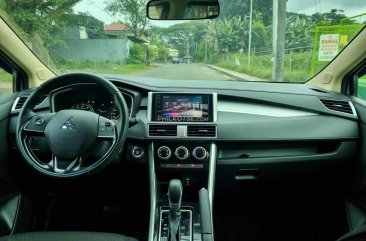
pixel 178 35
pixel 98 67
pixel 137 54
pixel 334 17
pixel 40 16
pixel 297 65
pixel 132 12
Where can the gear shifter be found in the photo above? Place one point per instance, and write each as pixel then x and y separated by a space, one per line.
pixel 175 199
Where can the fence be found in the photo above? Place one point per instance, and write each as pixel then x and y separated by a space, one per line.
pixel 296 68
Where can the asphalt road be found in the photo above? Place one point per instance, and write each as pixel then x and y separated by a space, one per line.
pixel 183 72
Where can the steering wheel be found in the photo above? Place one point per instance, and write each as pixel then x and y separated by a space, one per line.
pixel 72 135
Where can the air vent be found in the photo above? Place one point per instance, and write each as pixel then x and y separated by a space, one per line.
pixel 22 99
pixel 20 102
pixel 201 131
pixel 162 130
pixel 338 105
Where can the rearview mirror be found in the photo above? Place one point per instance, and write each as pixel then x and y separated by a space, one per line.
pixel 182 9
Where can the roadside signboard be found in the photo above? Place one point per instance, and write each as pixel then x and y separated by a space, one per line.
pixel 328 47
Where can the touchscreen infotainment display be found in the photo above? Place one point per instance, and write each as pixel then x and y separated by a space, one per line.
pixel 167 107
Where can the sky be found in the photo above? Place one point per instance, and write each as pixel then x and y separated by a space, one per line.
pixel 96 9
pixel 350 7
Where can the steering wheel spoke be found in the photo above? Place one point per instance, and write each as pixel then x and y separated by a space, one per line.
pixel 65 166
pixel 37 123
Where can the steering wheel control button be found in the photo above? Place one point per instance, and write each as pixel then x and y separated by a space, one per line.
pixel 39 120
pixel 181 153
pixel 106 128
pixel 37 123
pixel 200 153
pixel 164 153
pixel 137 152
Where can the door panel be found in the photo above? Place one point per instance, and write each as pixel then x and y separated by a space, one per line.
pixel 6 103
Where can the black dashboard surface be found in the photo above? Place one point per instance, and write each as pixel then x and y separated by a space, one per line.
pixel 257 123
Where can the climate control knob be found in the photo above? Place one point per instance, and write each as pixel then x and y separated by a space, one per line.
pixel 164 153
pixel 200 153
pixel 181 153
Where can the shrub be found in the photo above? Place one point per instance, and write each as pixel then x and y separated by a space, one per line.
pixel 137 54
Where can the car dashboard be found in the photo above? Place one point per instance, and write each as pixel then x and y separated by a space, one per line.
pixel 250 123
pixel 217 136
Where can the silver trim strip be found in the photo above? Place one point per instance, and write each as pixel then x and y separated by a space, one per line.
pixel 211 179
pixel 15 103
pixel 149 105
pixel 215 106
pixel 260 109
pixel 152 179
pixel 353 108
pixel 212 173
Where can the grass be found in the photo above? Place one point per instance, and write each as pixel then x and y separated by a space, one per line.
pixel 5 76
pixel 297 65
pixel 100 67
pixel 361 88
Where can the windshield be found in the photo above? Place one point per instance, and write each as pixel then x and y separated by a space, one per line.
pixel 251 40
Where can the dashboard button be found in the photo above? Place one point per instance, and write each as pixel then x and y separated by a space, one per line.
pixel 181 153
pixel 164 153
pixel 137 152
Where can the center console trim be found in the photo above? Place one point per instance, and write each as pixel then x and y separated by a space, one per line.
pixel 153 230
pixel 212 173
pixel 152 179
pixel 182 210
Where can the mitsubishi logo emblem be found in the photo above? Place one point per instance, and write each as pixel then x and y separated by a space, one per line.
pixel 69 124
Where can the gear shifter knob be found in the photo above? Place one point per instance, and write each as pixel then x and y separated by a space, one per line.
pixel 175 194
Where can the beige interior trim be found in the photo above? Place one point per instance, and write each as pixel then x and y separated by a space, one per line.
pixel 331 77
pixel 17 50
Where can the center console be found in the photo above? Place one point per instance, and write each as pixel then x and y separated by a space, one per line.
pixel 182 132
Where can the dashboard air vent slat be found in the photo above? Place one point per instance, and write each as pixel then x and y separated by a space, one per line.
pixel 23 99
pixel 162 130
pixel 201 131
pixel 20 103
pixel 338 105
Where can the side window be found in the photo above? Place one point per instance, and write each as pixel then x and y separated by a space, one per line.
pixel 6 83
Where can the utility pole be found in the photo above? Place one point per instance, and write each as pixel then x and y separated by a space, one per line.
pixel 206 43
pixel 250 32
pixel 279 25
pixel 206 52
pixel 187 47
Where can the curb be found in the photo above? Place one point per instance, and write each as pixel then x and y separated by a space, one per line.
pixel 235 75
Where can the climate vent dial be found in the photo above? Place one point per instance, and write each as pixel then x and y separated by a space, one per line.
pixel 182 153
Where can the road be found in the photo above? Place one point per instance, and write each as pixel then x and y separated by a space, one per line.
pixel 183 72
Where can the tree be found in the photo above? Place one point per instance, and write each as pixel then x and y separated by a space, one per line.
pixel 176 36
pixel 42 17
pixel 132 12
pixel 334 17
